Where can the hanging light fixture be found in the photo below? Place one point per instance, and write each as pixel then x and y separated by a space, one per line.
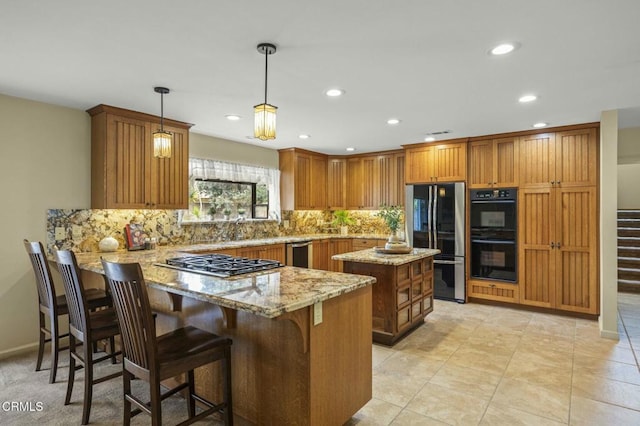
pixel 161 139
pixel 265 114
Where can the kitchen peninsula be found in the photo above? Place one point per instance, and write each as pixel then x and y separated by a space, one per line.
pixel 301 349
pixel 403 294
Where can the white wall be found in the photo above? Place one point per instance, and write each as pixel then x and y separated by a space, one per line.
pixel 628 168
pixel 45 162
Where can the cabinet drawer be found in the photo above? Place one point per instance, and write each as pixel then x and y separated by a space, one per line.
pixel 365 243
pixel 493 291
pixel 404 318
pixel 403 296
pixel 416 311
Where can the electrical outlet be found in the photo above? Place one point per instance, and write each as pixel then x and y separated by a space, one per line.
pixel 285 224
pixel 61 233
pixel 76 232
pixel 319 222
pixel 317 313
pixel 166 229
pixel 358 222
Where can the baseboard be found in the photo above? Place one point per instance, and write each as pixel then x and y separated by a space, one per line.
pixel 609 334
pixel 19 350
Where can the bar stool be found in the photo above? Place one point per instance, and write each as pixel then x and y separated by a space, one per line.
pixel 53 306
pixel 85 327
pixel 155 358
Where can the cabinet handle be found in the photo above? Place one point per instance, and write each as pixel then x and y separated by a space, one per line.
pixel 489 184
pixel 558 182
pixel 492 285
pixel 553 245
pixel 553 182
pixel 558 245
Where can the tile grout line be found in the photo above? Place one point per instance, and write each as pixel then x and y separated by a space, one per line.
pixel 633 350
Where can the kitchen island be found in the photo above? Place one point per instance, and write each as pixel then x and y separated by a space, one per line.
pixel 403 294
pixel 301 349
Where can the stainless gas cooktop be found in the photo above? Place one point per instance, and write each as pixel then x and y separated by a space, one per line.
pixel 220 265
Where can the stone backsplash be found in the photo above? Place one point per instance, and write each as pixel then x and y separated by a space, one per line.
pixel 82 229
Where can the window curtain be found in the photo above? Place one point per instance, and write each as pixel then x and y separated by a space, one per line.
pixel 202 168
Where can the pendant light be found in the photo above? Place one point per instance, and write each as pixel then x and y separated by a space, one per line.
pixel 265 114
pixel 162 139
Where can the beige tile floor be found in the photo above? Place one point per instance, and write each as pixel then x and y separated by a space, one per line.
pixel 482 365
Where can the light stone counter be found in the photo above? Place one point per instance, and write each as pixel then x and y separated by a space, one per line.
pixel 371 256
pixel 268 294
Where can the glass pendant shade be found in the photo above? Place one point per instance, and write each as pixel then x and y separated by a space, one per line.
pixel 265 122
pixel 162 144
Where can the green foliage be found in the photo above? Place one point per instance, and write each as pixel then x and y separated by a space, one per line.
pixel 392 215
pixel 342 218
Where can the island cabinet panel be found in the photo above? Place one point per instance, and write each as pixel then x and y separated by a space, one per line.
pixel 444 162
pixel 303 179
pixel 124 172
pixel 338 246
pixel 402 296
pixel 321 256
pixel 493 163
pixel 336 183
pixel 271 252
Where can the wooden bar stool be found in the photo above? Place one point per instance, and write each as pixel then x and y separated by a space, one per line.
pixel 53 306
pixel 85 327
pixel 155 358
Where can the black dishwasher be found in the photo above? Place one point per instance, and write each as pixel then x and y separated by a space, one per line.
pixel 300 254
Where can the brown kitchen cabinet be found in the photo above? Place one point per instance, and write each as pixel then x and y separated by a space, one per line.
pixel 124 172
pixel 493 163
pixel 431 163
pixel 561 159
pixel 271 252
pixel 558 264
pixel 365 243
pixel 493 290
pixel 375 180
pixel 321 257
pixel 402 296
pixel 338 246
pixel 336 183
pixel 303 180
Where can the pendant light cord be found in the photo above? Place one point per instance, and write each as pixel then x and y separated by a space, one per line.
pixel 162 112
pixel 266 73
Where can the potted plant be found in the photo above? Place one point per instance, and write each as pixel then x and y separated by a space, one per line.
pixel 342 219
pixel 392 216
pixel 241 211
pixel 227 213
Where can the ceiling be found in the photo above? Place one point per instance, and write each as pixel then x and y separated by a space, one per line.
pixel 425 62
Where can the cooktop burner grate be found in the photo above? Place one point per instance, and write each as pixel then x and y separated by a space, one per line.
pixel 221 265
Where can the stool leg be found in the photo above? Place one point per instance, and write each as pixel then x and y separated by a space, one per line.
pixel 88 382
pixel 228 411
pixel 72 369
pixel 191 402
pixel 55 349
pixel 156 408
pixel 41 342
pixel 126 389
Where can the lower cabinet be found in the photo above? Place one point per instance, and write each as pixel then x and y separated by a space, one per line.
pixel 339 246
pixel 366 243
pixel 271 252
pixel 402 296
pixel 321 257
pixel 493 290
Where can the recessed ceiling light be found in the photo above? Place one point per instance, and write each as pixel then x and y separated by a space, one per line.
pixel 351 149
pixel 527 98
pixel 334 92
pixel 303 136
pixel 540 124
pixel 232 117
pixel 503 49
pixel 429 139
pixel 393 121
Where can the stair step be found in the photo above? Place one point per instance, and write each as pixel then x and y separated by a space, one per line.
pixel 629 262
pixel 629 232
pixel 629 286
pixel 629 251
pixel 628 242
pixel 632 214
pixel 629 274
pixel 628 223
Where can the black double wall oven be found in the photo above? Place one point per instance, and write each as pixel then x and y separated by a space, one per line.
pixel 494 253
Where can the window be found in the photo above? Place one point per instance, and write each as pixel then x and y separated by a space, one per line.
pixel 212 199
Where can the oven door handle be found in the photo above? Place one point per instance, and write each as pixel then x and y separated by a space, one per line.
pixel 298 245
pixel 448 262
pixel 493 241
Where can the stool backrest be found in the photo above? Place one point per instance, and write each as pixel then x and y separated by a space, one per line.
pixel 131 302
pixel 46 289
pixel 76 301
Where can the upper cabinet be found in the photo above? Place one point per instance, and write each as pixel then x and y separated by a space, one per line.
pixel 561 159
pixel 303 180
pixel 336 183
pixel 431 163
pixel 493 163
pixel 124 172
pixel 375 180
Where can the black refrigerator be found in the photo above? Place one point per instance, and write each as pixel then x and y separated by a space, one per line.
pixel 435 219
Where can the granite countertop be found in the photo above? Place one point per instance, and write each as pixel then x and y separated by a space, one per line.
pixel 268 294
pixel 371 256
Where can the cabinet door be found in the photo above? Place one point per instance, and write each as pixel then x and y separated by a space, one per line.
pixel 481 164
pixel 387 187
pixel 450 162
pixel 318 183
pixel 336 183
pixel 419 165
pixel 370 183
pixel 302 181
pixel 338 246
pixel 398 199
pixel 537 268
pixel 576 249
pixel 576 162
pixel 273 252
pixel 128 163
pixel 537 160
pixel 354 183
pixel 170 176
pixel 505 162
pixel 321 254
